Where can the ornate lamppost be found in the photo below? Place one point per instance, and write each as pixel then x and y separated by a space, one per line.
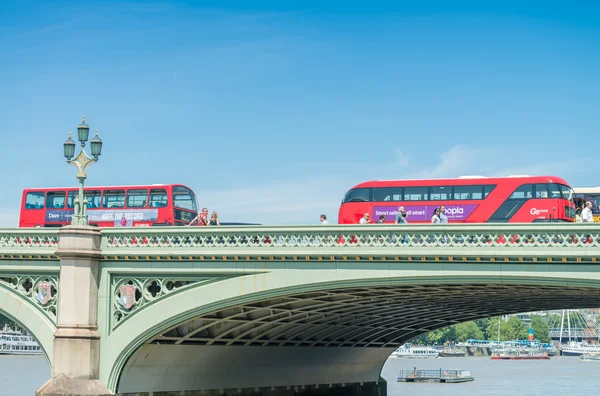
pixel 81 162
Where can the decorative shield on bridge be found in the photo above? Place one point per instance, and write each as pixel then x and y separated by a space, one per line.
pixel 44 292
pixel 127 293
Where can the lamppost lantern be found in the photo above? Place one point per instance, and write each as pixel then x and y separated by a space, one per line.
pixel 96 146
pixel 69 147
pixel 81 162
pixel 83 131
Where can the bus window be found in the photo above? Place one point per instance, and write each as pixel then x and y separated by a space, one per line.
pixel 137 198
pixel 384 194
pixel 554 190
pixel 523 192
pixel 55 200
pixel 487 189
pixel 567 192
pixel 357 195
pixel 468 192
pixel 158 198
pixel 541 190
pixel 415 193
pixel 113 199
pixel 93 199
pixel 34 200
pixel 184 198
pixel 71 199
pixel 440 193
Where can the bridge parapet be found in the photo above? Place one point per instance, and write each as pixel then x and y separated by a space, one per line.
pixel 376 241
pixel 28 241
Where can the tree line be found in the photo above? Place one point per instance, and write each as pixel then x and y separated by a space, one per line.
pixel 488 329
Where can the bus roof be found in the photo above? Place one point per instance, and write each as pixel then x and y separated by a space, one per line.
pixel 458 181
pixel 104 187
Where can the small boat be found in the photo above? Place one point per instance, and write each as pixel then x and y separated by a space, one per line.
pixel 519 354
pixel 415 352
pixel 17 343
pixel 441 375
pixel 590 356
pixel 452 352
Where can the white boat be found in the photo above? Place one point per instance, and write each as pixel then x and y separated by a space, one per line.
pixel 415 352
pixel 578 349
pixel 17 343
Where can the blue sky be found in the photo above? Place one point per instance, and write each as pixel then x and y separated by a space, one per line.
pixel 271 110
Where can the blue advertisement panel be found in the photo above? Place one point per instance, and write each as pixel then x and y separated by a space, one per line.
pixel 121 218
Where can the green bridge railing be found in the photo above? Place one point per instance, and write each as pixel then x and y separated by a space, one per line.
pixel 559 238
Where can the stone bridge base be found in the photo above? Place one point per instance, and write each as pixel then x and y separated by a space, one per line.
pixel 61 385
pixel 357 389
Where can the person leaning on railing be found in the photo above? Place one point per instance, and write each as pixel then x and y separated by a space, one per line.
pixel 201 218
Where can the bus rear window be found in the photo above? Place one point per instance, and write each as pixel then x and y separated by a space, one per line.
pixel 357 195
pixel 34 200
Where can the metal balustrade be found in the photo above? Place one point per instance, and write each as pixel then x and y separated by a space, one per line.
pixel 28 241
pixel 552 239
pixel 485 238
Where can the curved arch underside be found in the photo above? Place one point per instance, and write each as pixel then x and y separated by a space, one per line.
pixel 324 337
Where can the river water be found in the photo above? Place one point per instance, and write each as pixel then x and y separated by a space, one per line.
pixel 21 375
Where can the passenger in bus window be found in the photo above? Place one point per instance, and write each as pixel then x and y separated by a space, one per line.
pixel 364 219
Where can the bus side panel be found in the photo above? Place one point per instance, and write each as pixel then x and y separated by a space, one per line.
pixel 535 210
pixel 31 217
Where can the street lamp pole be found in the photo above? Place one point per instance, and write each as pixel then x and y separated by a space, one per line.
pixel 81 162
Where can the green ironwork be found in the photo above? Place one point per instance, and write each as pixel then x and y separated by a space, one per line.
pixel 81 162
pixel 41 291
pixel 365 240
pixel 132 294
pixel 15 242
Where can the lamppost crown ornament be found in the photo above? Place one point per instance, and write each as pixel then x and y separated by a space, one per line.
pixel 81 162
pixel 69 147
pixel 83 131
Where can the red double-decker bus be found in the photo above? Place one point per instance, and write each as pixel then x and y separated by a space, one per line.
pixel 122 206
pixel 467 199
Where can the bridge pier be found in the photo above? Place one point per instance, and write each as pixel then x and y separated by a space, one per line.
pixel 76 357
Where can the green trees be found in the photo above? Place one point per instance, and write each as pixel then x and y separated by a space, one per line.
pixel 540 329
pixel 487 329
pixel 467 330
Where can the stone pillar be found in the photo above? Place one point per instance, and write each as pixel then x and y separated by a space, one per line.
pixel 76 359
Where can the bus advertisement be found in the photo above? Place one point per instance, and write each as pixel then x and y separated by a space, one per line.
pixel 584 194
pixel 121 206
pixel 467 199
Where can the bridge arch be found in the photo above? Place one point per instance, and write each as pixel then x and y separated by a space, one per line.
pixel 463 294
pixel 26 315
